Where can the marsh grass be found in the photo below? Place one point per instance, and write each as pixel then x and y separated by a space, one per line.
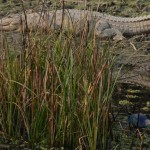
pixel 56 92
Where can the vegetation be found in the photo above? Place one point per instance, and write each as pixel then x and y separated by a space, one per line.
pixel 57 92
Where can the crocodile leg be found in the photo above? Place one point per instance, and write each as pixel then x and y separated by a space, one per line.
pixel 104 31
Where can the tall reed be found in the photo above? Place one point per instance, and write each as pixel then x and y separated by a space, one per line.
pixel 57 91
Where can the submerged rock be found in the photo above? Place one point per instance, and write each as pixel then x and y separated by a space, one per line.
pixel 139 120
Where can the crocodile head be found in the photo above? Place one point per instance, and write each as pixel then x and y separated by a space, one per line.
pixel 10 23
pixel 18 22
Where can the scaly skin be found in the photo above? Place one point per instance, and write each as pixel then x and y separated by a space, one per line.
pixel 106 26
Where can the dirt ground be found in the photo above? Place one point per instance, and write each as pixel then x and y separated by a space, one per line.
pixel 114 7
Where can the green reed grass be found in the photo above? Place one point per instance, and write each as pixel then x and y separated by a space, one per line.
pixel 56 92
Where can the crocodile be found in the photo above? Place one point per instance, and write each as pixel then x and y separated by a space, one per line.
pixel 104 25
